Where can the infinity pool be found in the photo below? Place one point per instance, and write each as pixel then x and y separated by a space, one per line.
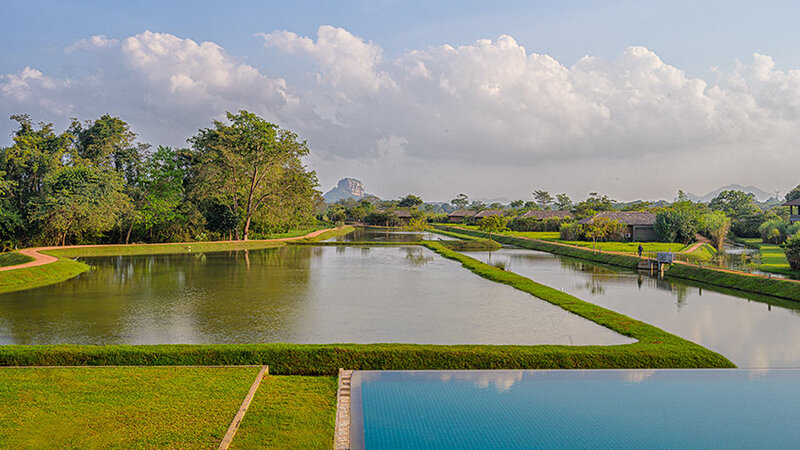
pixel 714 408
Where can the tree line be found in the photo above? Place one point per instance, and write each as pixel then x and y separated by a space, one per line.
pixel 96 183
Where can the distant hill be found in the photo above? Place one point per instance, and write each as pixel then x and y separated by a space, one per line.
pixel 346 188
pixel 761 195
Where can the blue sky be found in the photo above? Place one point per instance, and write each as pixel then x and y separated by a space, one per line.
pixel 712 43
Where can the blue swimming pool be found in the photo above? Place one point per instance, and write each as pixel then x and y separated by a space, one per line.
pixel 576 409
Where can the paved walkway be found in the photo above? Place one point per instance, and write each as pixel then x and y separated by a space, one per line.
pixel 40 259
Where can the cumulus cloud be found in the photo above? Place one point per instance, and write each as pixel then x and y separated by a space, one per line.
pixel 490 117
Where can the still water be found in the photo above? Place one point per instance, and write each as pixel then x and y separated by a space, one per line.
pixel 752 332
pixel 298 294
pixel 379 234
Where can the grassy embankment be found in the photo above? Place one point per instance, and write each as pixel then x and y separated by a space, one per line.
pixel 773 259
pixel 737 281
pixel 13 258
pixel 119 407
pixel 66 267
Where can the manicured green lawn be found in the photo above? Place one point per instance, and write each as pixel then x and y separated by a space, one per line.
pixel 13 258
pixel 543 235
pixel 290 412
pixel 119 407
pixel 32 277
pixel 629 247
pixel 773 259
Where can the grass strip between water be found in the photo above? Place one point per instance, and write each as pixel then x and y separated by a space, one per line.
pixel 738 281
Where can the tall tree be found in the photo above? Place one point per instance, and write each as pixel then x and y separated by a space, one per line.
pixel 109 143
pixel 409 201
pixel 563 202
pixel 793 194
pixel 734 203
pixel 461 201
pixel 543 198
pixel 78 200
pixel 250 163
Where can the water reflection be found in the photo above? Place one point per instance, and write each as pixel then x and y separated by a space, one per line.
pixel 381 234
pixel 751 330
pixel 299 294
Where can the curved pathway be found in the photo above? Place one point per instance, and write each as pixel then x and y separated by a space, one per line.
pixel 40 259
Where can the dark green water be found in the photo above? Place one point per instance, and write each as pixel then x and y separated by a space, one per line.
pixel 294 294
pixel 753 332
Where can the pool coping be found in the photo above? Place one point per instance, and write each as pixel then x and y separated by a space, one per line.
pixel 341 435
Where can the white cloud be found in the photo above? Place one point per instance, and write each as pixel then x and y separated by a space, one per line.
pixel 490 118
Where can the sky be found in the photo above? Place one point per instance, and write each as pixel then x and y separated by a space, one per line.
pixel 634 99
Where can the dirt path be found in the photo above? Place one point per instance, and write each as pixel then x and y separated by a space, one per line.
pixel 40 259
pixel 700 241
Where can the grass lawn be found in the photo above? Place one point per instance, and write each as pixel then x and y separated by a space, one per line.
pixel 290 412
pixel 119 407
pixel 773 259
pixel 543 235
pixel 704 253
pixel 13 258
pixel 629 247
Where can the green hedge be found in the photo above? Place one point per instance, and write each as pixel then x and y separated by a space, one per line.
pixel 775 287
pixel 629 262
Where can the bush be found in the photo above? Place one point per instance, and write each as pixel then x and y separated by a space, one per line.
pixel 532 224
pixel 571 232
pixel 748 225
pixel 675 225
pixel 493 224
pixel 774 231
pixel 792 249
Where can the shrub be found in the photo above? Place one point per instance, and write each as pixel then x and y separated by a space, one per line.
pixel 533 224
pixel 792 249
pixel 571 232
pixel 774 231
pixel 493 224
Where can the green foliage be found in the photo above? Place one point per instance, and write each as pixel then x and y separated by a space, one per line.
pixel 739 281
pixel 792 249
pixel 676 225
pixel 461 201
pixel 255 166
pixel 593 204
pixel 473 245
pixel 572 231
pixel 793 194
pixel 734 203
pixel 715 225
pixel 79 200
pixel 533 224
pixel 543 198
pixel 603 229
pixel 493 224
pixel 409 201
pixel 563 202
pixel 417 224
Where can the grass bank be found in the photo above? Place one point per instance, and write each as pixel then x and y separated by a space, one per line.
pixel 290 412
pixel 37 276
pixel 773 259
pixel 13 258
pixel 119 407
pixel 775 287
pixel 66 268
pixel 629 262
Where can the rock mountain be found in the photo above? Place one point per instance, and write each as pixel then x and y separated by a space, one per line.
pixel 346 188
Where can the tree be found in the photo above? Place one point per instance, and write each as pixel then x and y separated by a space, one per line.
pixel 517 204
pixel 734 203
pixel 792 249
pixel 81 199
pixel 594 204
pixel 543 198
pixel 793 194
pixel 158 191
pixel 249 164
pixel 716 226
pixel 109 143
pixel 493 224
pixel 603 228
pixel 563 202
pixel 409 201
pixel 461 201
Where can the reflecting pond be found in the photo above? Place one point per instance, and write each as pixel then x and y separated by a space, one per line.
pixel 299 294
pixel 755 332
pixel 381 234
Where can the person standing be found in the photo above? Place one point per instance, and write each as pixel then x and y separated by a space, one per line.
pixel 640 251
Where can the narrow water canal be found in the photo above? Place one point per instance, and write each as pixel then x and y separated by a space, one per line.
pixel 752 332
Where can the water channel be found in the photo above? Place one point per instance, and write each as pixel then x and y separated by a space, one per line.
pixel 754 332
